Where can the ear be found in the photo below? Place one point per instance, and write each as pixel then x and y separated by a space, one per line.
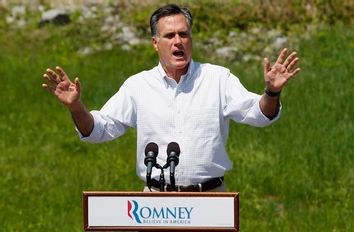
pixel 155 41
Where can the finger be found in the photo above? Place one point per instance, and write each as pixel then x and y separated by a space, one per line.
pixel 296 71
pixel 266 65
pixel 282 56
pixel 50 80
pixel 292 64
pixel 289 59
pixel 78 84
pixel 63 75
pixel 53 75
pixel 48 88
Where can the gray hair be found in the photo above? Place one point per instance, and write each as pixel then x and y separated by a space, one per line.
pixel 167 10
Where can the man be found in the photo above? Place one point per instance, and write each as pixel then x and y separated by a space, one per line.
pixel 179 100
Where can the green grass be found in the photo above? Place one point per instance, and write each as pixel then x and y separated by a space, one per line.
pixel 296 175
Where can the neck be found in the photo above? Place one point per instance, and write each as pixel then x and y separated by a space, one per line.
pixel 176 74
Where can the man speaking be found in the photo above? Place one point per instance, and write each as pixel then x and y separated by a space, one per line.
pixel 179 100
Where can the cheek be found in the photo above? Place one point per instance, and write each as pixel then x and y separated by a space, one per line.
pixel 188 44
pixel 164 53
pixel 163 47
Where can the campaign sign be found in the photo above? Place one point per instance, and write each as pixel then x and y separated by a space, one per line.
pixel 168 211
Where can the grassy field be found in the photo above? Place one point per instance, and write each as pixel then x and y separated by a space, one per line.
pixel 296 175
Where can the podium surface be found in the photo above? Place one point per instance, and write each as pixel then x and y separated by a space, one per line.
pixel 161 211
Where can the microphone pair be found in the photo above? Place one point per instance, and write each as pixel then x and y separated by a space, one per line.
pixel 151 152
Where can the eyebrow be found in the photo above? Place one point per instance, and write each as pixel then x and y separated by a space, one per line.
pixel 172 33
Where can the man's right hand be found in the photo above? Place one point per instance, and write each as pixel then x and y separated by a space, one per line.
pixel 59 84
pixel 69 93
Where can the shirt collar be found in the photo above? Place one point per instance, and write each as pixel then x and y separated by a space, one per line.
pixel 164 76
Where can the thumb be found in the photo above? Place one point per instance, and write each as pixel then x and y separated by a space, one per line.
pixel 77 84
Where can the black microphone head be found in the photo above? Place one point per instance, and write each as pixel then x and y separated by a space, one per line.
pixel 151 147
pixel 173 147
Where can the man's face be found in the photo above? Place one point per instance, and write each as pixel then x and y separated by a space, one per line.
pixel 173 43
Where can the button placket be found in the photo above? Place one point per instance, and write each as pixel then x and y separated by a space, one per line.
pixel 179 107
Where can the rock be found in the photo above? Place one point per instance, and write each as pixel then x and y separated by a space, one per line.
pixel 55 16
pixel 10 19
pixel 228 52
pixel 127 35
pixel 18 10
pixel 279 43
pixel 86 51
pixel 108 46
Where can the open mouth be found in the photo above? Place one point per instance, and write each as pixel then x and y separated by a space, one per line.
pixel 178 53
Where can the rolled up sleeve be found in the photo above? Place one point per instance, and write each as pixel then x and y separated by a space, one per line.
pixel 243 106
pixel 115 117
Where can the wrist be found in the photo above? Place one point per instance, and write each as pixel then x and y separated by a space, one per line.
pixel 272 93
pixel 76 106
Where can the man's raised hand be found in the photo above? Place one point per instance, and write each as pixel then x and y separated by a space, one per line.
pixel 59 84
pixel 277 75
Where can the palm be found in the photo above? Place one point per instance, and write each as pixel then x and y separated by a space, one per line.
pixel 60 85
pixel 281 72
pixel 67 92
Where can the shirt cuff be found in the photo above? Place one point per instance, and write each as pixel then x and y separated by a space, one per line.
pixel 270 119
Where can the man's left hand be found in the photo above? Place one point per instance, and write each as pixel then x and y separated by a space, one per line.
pixel 277 75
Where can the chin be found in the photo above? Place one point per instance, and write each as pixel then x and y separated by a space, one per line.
pixel 181 64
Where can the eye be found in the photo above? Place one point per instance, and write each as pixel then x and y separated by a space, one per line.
pixel 183 34
pixel 169 35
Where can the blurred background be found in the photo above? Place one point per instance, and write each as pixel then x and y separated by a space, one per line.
pixel 296 175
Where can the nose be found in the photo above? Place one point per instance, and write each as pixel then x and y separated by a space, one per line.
pixel 177 39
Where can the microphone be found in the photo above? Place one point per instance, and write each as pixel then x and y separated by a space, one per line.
pixel 151 151
pixel 173 152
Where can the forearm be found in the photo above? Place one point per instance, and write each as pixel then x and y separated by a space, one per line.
pixel 269 105
pixel 82 118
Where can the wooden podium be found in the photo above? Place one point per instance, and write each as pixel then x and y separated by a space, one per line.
pixel 161 211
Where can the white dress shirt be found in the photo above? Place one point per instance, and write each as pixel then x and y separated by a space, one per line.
pixel 195 113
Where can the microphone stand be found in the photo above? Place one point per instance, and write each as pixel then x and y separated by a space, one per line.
pixel 162 177
pixel 173 182
pixel 162 180
pixel 172 177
